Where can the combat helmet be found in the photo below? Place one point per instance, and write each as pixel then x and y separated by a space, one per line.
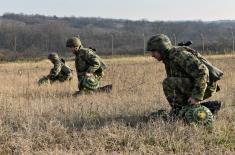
pixel 53 56
pixel 199 114
pixel 90 83
pixel 159 42
pixel 73 42
pixel 43 80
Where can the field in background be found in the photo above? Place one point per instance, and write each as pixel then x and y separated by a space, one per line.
pixel 48 120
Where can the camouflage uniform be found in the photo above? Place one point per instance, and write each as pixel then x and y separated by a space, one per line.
pixel 60 72
pixel 86 61
pixel 187 76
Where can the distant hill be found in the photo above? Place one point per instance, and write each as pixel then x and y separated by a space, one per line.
pixel 36 35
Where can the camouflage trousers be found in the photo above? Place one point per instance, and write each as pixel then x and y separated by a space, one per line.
pixel 62 78
pixel 178 90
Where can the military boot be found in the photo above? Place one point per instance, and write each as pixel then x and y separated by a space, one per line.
pixel 107 88
pixel 175 113
pixel 79 93
pixel 159 114
pixel 214 106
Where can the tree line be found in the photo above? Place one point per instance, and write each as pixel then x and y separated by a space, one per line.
pixel 36 35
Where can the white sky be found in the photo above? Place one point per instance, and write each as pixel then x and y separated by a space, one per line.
pixel 205 10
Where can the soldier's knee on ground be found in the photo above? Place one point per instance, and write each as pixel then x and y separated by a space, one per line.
pixel 177 90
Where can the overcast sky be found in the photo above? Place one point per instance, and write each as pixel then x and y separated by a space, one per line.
pixel 166 10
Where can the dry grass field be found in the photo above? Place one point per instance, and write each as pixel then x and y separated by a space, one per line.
pixel 48 120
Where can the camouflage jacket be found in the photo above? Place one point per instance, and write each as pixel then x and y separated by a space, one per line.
pixel 86 61
pixel 181 63
pixel 59 68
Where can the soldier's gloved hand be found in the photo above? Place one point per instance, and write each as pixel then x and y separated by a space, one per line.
pixel 88 74
pixel 193 101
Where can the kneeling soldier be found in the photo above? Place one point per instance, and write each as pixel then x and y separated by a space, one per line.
pixel 89 66
pixel 190 79
pixel 60 72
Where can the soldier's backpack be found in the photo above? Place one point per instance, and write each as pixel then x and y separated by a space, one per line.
pixel 103 66
pixel 215 74
pixel 65 68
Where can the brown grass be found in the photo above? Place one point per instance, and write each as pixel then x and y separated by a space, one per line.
pixel 48 120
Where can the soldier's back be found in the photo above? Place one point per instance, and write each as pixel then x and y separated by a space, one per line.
pixel 174 60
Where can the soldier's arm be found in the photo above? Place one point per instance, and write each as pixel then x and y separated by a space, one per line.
pixel 93 61
pixel 55 70
pixel 198 71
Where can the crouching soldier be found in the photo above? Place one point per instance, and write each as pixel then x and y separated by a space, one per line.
pixel 190 80
pixel 89 66
pixel 60 72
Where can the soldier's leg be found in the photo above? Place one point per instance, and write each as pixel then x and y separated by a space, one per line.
pixel 53 80
pixel 81 87
pixel 62 77
pixel 177 91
